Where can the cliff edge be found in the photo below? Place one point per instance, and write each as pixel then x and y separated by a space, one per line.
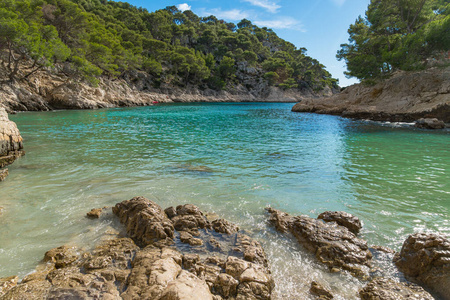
pixel 11 145
pixel 405 97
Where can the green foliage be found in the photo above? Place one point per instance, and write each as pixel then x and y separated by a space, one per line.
pixel 396 35
pixel 95 38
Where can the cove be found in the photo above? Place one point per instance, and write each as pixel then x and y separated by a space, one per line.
pixel 229 159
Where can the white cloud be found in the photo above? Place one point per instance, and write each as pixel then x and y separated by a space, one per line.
pixel 269 5
pixel 284 23
pixel 339 2
pixel 231 15
pixel 183 6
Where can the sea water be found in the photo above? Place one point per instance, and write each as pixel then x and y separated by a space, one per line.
pixel 229 159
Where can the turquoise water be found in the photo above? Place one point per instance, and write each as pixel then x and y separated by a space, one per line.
pixel 230 159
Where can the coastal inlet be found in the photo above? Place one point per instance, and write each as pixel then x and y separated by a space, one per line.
pixel 232 160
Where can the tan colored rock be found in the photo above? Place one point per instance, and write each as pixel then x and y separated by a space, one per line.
pixel 342 218
pixel 7 283
pixel 387 289
pixel 11 143
pixel 333 245
pixel 62 256
pixel 223 226
pixel 425 259
pixel 145 221
pixel 187 286
pixel 406 97
pixel 94 213
pixel 320 291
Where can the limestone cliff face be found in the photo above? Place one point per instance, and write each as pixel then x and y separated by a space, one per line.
pixel 45 91
pixel 404 97
pixel 11 145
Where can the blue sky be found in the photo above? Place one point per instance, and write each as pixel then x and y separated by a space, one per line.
pixel 318 25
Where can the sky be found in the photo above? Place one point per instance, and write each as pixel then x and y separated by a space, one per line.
pixel 320 26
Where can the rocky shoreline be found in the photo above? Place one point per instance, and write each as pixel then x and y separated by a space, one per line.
pixel 405 97
pixel 181 253
pixel 49 91
pixel 11 143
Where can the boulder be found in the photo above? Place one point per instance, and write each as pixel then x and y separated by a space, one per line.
pixel 94 213
pixel 321 292
pixel 425 259
pixel 332 244
pixel 342 218
pixel 429 123
pixel 145 221
pixel 11 142
pixel 387 289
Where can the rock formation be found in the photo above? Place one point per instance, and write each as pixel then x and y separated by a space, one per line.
pixel 11 143
pixel 332 244
pixel 342 218
pixel 425 259
pixel 156 263
pixel 406 96
pixel 387 289
pixel 430 123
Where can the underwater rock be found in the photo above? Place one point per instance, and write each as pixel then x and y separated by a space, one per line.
pixel 425 259
pixel 387 289
pixel 342 218
pixel 334 245
pixel 94 213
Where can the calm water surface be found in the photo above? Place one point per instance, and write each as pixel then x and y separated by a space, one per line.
pixel 230 159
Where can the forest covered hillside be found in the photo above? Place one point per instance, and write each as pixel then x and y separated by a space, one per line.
pixel 92 40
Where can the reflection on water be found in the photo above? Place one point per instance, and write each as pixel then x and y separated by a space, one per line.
pixel 229 159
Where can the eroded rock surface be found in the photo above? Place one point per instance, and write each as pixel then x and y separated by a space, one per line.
pixel 342 218
pixel 156 263
pixel 425 259
pixel 430 123
pixel 11 143
pixel 387 289
pixel 333 244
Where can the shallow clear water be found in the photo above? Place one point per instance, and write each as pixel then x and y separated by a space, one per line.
pixel 230 159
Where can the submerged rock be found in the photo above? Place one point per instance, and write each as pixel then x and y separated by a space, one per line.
pixel 425 259
pixel 334 245
pixel 11 143
pixel 387 289
pixel 430 123
pixel 95 213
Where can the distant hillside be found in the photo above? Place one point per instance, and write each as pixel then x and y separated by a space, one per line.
pixel 96 41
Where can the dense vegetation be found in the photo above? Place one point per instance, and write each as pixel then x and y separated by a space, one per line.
pixel 89 38
pixel 397 35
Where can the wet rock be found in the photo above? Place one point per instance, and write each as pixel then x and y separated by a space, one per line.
pixel 11 143
pixel 226 285
pixel 332 244
pixel 170 212
pixel 36 289
pixel 387 289
pixel 342 218
pixel 223 226
pixel 7 283
pixel 251 249
pixel 189 217
pixel 318 290
pixel 187 286
pixel 62 256
pixel 95 213
pixel 3 174
pixel 425 259
pixel 429 123
pixel 383 249
pixel 186 237
pixel 145 221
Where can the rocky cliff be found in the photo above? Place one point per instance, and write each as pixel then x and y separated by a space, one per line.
pixel 406 96
pixel 47 91
pixel 11 146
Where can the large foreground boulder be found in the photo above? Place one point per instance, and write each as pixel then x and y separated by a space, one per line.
pixel 156 263
pixel 425 259
pixel 11 143
pixel 332 244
